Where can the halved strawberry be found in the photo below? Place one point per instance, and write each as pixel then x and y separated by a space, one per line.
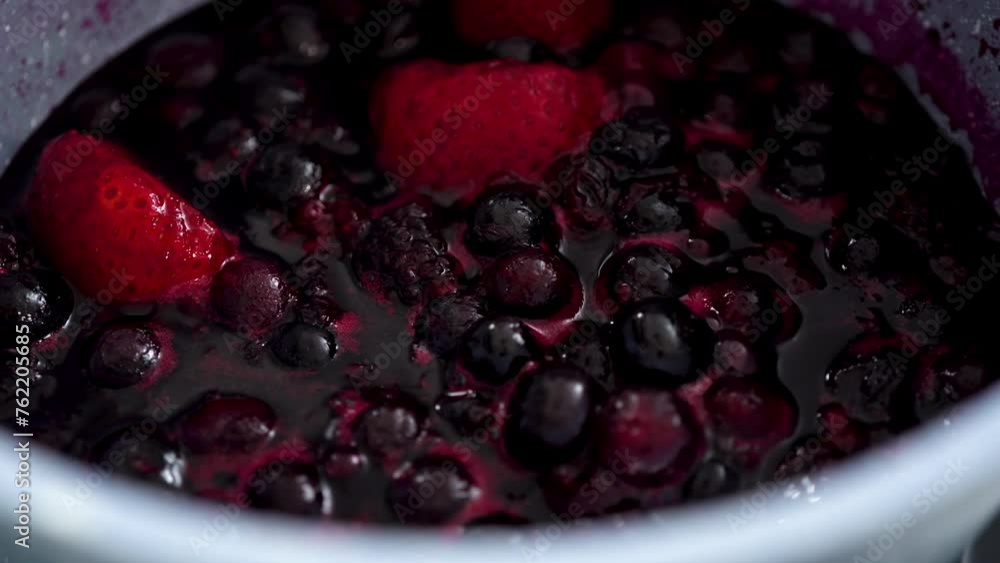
pixel 112 228
pixel 445 126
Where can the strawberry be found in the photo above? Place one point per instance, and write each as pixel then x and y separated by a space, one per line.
pixel 457 126
pixel 561 25
pixel 112 228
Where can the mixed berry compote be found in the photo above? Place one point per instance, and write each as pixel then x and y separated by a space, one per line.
pixel 467 262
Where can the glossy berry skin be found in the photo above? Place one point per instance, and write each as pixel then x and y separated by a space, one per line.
pixel 153 460
pixel 647 436
pixel 294 489
pixel 532 284
pixel 661 343
pixel 124 356
pixel 284 175
pixel 250 294
pixel 404 255
pixel 432 490
pixel 304 346
pixel 390 428
pixel 506 221
pixel 550 417
pixel 40 300
pixel 494 351
pixel 228 424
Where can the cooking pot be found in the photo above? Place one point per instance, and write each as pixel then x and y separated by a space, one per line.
pixel 920 499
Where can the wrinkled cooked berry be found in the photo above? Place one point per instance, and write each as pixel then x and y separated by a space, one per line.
pixel 283 175
pixel 865 384
pixel 644 272
pixel 641 140
pixel 250 294
pixel 445 320
pixel 507 221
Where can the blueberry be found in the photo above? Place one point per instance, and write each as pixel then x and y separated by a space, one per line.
pixel 390 428
pixel 265 94
pixel 642 139
pixel 227 424
pixel 189 60
pixel 662 343
pixel 284 174
pixel 663 211
pixel 433 490
pixel 532 283
pixel 292 36
pixel 550 418
pixel 304 346
pixel 151 459
pixel 293 489
pixel 40 300
pixel 711 479
pixel 124 355
pixel 507 221
pixel 653 429
pixel 645 272
pixel 250 294
pixel 496 350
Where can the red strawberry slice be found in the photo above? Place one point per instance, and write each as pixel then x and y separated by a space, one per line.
pixel 456 126
pixel 561 25
pixel 113 229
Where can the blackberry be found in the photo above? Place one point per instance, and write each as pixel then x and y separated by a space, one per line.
pixel 403 255
pixel 445 320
